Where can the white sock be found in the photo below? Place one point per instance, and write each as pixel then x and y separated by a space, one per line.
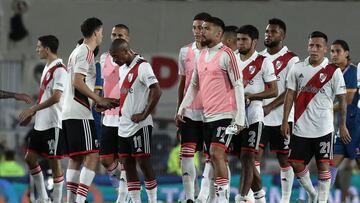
pixel 72 183
pixel 122 190
pixel 151 190
pixel 229 183
pixel 86 178
pixel 250 196
pixel 134 188
pixel 208 174
pixel 115 169
pixel 38 177
pixel 257 166
pixel 287 179
pixel 241 199
pixel 188 174
pixel 324 186
pixel 260 196
pixel 221 185
pixel 305 182
pixel 58 187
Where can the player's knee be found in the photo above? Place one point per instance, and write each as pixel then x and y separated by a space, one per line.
pixel 130 163
pixel 187 151
pixel 247 156
pixel 283 160
pixel 106 161
pixel 30 158
pixel 217 153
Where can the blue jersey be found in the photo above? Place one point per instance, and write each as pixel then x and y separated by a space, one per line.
pixel 350 77
pixel 98 86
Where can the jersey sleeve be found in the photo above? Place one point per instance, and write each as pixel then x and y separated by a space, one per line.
pixel 181 64
pixel 268 71
pixel 230 65
pixel 350 78
pixel 60 75
pixel 339 86
pixel 83 59
pixel 147 75
pixel 291 79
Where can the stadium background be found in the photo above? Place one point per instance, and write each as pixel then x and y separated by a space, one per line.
pixel 157 29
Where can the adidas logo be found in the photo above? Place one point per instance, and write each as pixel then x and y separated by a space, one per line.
pixel 186 174
pixel 301 76
pixel 326 156
pixel 284 179
pixel 139 150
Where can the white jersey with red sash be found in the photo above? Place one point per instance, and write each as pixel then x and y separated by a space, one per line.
pixel 316 88
pixel 135 81
pixel 53 78
pixel 282 61
pixel 256 71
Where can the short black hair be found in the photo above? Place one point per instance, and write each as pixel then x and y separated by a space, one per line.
pixel 202 16
pixel 343 45
pixel 216 21
pixel 230 29
pixel 89 26
pixel 318 34
pixel 278 22
pixel 122 26
pixel 250 30
pixel 51 42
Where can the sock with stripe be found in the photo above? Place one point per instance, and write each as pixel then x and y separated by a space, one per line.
pixel 333 171
pixel 229 180
pixel 134 188
pixel 188 171
pixel 123 190
pixel 58 187
pixel 72 183
pixel 222 187
pixel 151 190
pixel 305 182
pixel 260 196
pixel 86 178
pixel 38 178
pixel 324 186
pixel 206 181
pixel 287 179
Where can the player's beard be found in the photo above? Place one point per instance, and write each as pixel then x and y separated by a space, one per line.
pixel 205 42
pixel 272 44
pixel 245 51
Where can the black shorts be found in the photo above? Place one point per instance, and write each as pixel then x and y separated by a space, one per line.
pixel 109 142
pixel 192 133
pixel 247 140
pixel 214 134
pixel 272 135
pixel 138 144
pixel 80 137
pixel 47 143
pixel 303 149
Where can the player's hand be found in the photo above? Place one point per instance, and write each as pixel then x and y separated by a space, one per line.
pixel 285 130
pixel 26 114
pixel 344 134
pixel 23 97
pixel 179 118
pixel 239 128
pixel 108 103
pixel 136 118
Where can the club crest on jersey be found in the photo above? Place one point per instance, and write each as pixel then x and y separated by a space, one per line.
pixel 322 77
pixel 278 64
pixel 252 69
pixel 130 77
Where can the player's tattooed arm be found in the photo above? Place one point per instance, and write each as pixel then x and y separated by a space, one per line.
pixel 344 134
pixel 20 97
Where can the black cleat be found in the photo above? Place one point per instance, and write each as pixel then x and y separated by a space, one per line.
pixel 189 201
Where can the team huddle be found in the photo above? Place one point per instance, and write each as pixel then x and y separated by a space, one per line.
pixel 232 100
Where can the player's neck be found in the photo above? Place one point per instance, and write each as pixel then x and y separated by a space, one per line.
pixel 316 63
pixel 198 45
pixel 131 58
pixel 245 57
pixel 90 43
pixel 51 58
pixel 343 65
pixel 274 50
pixel 213 44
